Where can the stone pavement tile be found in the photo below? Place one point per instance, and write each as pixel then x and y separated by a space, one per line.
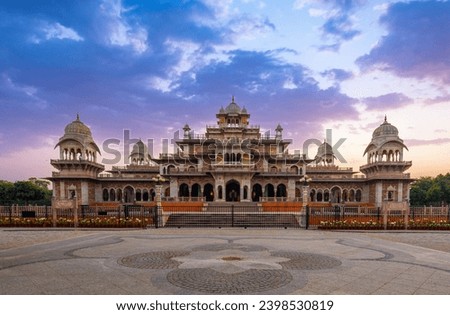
pixel 422 291
pixel 360 270
pixel 440 277
pixel 361 287
pixel 398 288
pixel 410 282
pixel 70 290
pixel 306 291
pixel 443 289
pixel 19 285
pixel 323 287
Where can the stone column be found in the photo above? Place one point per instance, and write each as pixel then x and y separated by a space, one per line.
pixel 305 198
pixel 173 188
pixel 159 210
pixel 400 192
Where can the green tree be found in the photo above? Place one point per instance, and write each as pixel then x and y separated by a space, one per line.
pixel 431 191
pixel 6 192
pixel 24 192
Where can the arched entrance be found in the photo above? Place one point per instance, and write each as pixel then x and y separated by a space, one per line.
pixel 183 191
pixel 208 192
pixel 233 190
pixel 269 191
pixel 128 194
pixel 256 192
pixel 336 195
pixel 196 191
pixel 281 191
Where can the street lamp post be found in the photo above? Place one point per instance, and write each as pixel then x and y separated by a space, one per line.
pixel 158 179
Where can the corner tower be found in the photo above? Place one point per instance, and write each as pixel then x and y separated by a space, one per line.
pixel 386 166
pixel 77 164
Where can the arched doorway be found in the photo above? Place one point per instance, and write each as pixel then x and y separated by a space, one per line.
pixel 219 191
pixel 269 191
pixel 336 195
pixel 128 194
pixel 183 191
pixel 232 191
pixel 281 191
pixel 196 190
pixel 256 192
pixel 208 192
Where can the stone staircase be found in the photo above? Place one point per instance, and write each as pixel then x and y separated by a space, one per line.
pixel 244 215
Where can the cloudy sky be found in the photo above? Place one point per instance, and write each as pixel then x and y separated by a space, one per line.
pixel 152 66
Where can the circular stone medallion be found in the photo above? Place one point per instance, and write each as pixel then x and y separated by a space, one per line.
pixel 211 281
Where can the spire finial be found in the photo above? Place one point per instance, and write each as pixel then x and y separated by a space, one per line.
pixel 385 118
pixel 78 116
pixel 232 99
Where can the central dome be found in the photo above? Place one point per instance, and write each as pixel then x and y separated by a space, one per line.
pixel 232 108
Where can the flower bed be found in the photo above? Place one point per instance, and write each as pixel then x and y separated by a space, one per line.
pixel 25 222
pixel 423 224
pixel 96 222
pixel 350 225
pixel 114 222
pixel 391 225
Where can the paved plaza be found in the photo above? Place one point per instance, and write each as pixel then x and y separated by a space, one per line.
pixel 223 261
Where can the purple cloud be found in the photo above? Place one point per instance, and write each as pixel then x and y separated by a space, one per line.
pixel 418 41
pixel 418 142
pixel 338 75
pixel 387 101
pixel 339 25
pixel 111 76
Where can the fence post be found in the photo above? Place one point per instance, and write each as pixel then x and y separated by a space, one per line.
pixel 232 215
pixel 46 212
pixel 448 213
pixel 406 217
pixel 54 216
pixel 142 217
pixel 337 213
pixel 10 214
pixel 155 215
pixel 75 217
pixel 307 217
pixel 378 214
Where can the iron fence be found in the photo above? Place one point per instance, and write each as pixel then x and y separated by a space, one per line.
pixel 238 215
pixel 232 215
pixel 367 218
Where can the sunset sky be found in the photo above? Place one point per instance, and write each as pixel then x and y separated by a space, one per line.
pixel 152 66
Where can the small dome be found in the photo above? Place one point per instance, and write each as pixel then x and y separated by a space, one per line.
pixel 139 148
pixel 385 129
pixel 324 149
pixel 76 127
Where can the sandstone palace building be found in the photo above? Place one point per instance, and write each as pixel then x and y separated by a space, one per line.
pixel 232 162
